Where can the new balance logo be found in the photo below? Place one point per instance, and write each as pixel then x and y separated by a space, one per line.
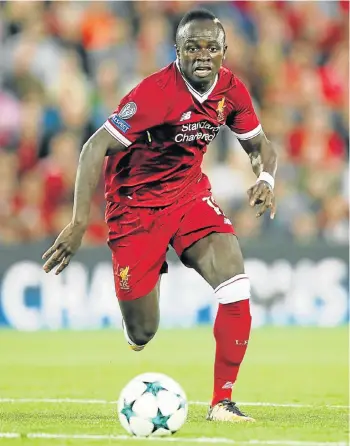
pixel 185 116
pixel 239 342
pixel 228 385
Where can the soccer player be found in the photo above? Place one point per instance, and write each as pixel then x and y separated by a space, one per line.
pixel 157 194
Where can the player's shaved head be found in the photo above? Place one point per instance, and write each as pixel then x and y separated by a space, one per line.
pixel 198 15
pixel 200 48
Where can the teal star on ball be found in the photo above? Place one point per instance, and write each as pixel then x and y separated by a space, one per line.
pixel 127 410
pixel 160 421
pixel 153 387
pixel 182 403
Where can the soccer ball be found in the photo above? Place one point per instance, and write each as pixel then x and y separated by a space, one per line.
pixel 152 404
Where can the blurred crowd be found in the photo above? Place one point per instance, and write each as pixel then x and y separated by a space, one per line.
pixel 64 67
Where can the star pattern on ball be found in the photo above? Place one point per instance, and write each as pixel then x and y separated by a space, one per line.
pixel 153 387
pixel 182 403
pixel 160 421
pixel 127 410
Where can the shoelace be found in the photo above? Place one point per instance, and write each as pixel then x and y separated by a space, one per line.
pixel 231 407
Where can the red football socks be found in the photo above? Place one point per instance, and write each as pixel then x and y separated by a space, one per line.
pixel 231 331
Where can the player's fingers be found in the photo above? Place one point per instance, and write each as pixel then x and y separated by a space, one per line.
pixel 64 263
pixel 54 260
pixel 265 194
pixel 50 251
pixel 251 193
pixel 262 210
pixel 266 205
pixel 255 197
pixel 273 209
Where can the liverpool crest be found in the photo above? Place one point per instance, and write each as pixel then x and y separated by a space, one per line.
pixel 220 110
pixel 124 278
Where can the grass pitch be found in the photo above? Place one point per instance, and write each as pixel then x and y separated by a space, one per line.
pixel 301 366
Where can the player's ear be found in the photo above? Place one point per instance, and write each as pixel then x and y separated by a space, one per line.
pixel 177 51
pixel 225 49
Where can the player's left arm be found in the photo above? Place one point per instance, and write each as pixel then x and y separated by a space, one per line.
pixel 245 125
pixel 263 158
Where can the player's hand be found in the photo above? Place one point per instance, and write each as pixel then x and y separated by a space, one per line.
pixel 65 246
pixel 262 194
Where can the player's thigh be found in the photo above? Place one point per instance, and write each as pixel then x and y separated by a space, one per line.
pixel 141 316
pixel 138 248
pixel 217 257
pixel 206 242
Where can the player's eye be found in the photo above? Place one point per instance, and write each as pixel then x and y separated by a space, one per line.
pixel 192 49
pixel 213 49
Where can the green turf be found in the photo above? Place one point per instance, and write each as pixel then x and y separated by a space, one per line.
pixel 283 365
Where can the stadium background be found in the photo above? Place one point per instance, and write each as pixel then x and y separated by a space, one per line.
pixel 64 67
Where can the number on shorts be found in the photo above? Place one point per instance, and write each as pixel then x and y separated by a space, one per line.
pixel 210 202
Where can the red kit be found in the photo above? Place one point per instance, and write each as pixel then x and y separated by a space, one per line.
pixel 155 190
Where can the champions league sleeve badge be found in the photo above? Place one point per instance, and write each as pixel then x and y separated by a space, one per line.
pixel 118 119
pixel 128 110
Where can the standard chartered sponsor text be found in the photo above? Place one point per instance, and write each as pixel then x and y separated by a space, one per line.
pixel 187 136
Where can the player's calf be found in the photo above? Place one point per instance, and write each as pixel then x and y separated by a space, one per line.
pixel 138 337
pixel 140 319
pixel 231 332
pixel 132 345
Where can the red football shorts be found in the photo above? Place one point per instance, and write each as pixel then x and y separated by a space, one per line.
pixel 139 238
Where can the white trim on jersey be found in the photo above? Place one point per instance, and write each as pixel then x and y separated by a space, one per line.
pixel 249 135
pixel 117 135
pixel 200 97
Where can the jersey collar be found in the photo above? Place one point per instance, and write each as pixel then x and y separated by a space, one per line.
pixel 200 97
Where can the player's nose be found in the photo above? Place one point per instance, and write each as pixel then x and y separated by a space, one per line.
pixel 204 55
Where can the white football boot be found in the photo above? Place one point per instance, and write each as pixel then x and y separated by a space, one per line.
pixel 227 410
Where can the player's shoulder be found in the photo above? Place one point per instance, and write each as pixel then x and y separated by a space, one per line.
pixel 235 89
pixel 230 80
pixel 157 81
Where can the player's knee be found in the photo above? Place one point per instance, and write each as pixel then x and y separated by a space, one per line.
pixel 221 260
pixel 233 290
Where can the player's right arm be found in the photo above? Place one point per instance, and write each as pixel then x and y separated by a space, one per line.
pixel 91 160
pixel 143 108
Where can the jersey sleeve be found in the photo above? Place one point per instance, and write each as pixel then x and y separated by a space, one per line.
pixel 141 109
pixel 243 120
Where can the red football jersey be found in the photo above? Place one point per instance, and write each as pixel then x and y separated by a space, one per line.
pixel 166 126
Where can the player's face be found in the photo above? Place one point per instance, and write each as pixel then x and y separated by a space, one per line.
pixel 200 52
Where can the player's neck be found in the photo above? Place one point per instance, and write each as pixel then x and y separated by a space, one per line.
pixel 200 87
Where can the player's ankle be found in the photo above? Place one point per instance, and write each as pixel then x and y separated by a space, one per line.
pixel 220 396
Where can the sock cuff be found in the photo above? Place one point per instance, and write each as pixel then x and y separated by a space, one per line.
pixel 233 290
